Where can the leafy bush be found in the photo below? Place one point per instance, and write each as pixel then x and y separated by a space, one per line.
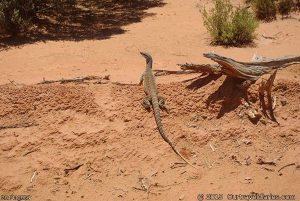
pixel 15 15
pixel 228 26
pixel 265 9
pixel 297 5
pixel 285 7
pixel 244 26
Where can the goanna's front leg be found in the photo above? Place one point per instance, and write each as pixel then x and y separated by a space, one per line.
pixel 141 79
pixel 161 102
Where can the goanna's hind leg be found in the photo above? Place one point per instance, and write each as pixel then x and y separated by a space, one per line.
pixel 161 102
pixel 147 102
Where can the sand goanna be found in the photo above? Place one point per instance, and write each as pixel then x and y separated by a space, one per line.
pixel 156 101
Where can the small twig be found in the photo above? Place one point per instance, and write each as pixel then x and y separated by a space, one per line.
pixel 76 79
pixel 154 174
pixel 19 125
pixel 291 164
pixel 212 148
pixel 124 84
pixel 178 165
pixel 12 82
pixel 35 173
pixel 88 176
pixel 262 162
pixel 31 151
pixel 140 189
pixel 268 169
pixel 67 170
pixel 268 37
pixel 170 72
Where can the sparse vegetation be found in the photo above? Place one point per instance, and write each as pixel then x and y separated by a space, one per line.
pixel 18 16
pixel 265 9
pixel 297 5
pixel 15 15
pixel 228 26
pixel 285 7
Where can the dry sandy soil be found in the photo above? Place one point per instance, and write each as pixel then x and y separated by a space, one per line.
pixel 92 141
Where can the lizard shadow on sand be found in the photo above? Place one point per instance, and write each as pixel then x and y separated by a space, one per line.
pixel 87 20
pixel 229 95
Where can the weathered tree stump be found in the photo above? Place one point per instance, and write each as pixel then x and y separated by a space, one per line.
pixel 243 70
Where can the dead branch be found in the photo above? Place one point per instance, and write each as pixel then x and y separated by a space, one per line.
pixel 291 164
pixel 251 70
pixel 243 70
pixel 261 161
pixel 267 87
pixel 67 170
pixel 171 72
pixel 76 79
pixel 31 151
pixel 33 175
pixel 18 125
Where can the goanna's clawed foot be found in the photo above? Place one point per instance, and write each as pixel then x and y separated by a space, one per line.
pixel 161 102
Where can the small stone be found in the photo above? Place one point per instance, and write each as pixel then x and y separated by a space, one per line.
pixel 204 116
pixel 181 197
pixel 283 102
pixel 263 121
pixel 254 116
pixel 127 120
pixel 246 104
pixel 246 141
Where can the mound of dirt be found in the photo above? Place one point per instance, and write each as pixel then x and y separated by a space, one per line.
pixel 85 141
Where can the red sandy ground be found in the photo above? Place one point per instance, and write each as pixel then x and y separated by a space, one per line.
pixel 110 143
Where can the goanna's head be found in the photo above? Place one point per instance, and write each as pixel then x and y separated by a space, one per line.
pixel 148 58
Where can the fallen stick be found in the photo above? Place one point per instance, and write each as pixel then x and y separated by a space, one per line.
pixel 76 79
pixel 171 72
pixel 19 125
pixel 212 148
pixel 31 151
pixel 291 164
pixel 67 170
pixel 267 87
pixel 34 174
pixel 261 161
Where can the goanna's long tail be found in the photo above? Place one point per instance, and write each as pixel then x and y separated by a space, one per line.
pixel 156 111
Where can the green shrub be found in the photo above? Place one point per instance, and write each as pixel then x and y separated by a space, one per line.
pixel 297 5
pixel 285 7
pixel 15 15
pixel 228 26
pixel 244 26
pixel 265 9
